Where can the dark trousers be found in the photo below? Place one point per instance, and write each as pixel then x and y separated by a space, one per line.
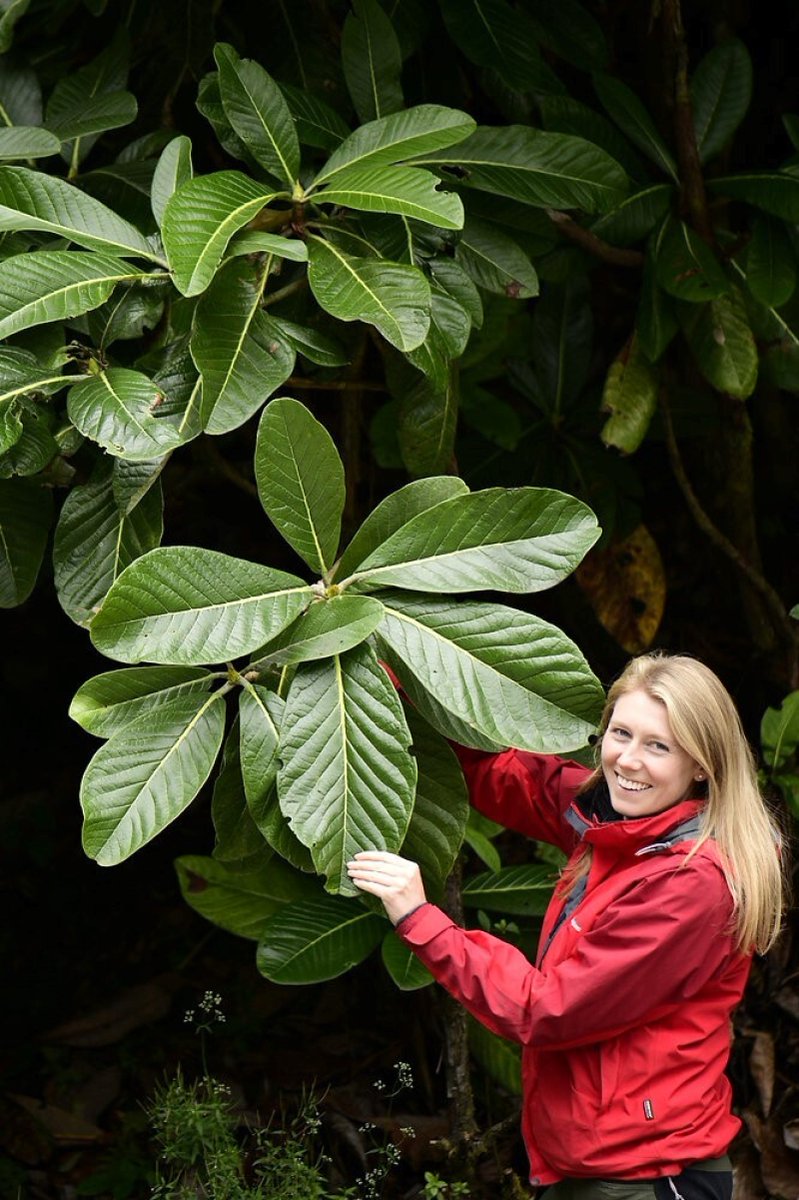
pixel 708 1180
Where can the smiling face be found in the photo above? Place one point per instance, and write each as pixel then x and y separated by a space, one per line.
pixel 645 770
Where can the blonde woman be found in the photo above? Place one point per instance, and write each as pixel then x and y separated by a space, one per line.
pixel 673 882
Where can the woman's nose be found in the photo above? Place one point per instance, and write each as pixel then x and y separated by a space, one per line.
pixel 629 756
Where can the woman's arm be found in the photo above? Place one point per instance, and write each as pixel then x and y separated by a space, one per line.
pixel 652 949
pixel 526 792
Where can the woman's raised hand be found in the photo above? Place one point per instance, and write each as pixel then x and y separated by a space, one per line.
pixel 396 881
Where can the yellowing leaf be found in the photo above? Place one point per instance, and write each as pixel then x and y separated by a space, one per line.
pixel 626 586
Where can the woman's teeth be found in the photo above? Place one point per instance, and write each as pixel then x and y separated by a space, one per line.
pixel 631 785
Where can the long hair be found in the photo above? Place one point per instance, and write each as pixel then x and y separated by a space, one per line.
pixel 706 724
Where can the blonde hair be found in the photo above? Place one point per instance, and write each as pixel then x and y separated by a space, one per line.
pixel 706 724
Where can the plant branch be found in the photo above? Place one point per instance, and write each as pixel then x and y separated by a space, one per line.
pixel 694 197
pixel 281 293
pixel 335 385
pixel 592 243
pixel 783 624
pixel 459 1085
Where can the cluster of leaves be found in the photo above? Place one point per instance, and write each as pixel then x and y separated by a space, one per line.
pixel 317 764
pixel 779 744
pixel 365 237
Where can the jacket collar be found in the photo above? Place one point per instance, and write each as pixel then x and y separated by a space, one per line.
pixel 628 837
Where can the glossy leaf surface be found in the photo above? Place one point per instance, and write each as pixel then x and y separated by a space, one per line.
pixel 181 604
pixel 346 780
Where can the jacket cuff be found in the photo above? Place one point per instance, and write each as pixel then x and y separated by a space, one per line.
pixel 423 924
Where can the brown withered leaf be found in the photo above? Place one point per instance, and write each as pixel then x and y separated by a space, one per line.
pixel 66 1128
pixel 790 1134
pixel 779 1165
pixel 761 1064
pixel 747 1184
pixel 129 1010
pixel 626 586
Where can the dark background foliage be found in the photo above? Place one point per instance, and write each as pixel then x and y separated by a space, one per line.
pixel 118 948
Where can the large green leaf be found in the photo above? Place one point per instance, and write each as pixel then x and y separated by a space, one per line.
pixel 94 541
pixel 11 12
pixel 492 34
pixel 236 836
pixel 53 285
pixel 776 192
pixel 371 60
pixel 779 730
pixel 452 277
pixel 510 539
pixel 258 241
pixel 86 88
pixel 147 774
pixel 770 263
pixel 120 409
pixel 260 715
pixel 416 130
pixel 563 114
pixel 562 349
pixel 389 189
pixel 721 90
pixel 346 780
pixel 394 511
pixel 33 447
pixel 494 261
pixel 630 396
pixel 524 891
pixel 255 107
pixel 108 702
pixel 315 346
pixel 428 416
pixel 500 1058
pixel 327 627
pixel 172 170
pixel 636 216
pixel 182 604
pixel 549 170
pixel 22 375
pixel 240 901
pixel 446 339
pixel 239 352
pixel 491 672
pixel 27 141
pixel 567 29
pixel 33 200
pixel 199 220
pixel 20 93
pixel 407 971
pixel 310 941
pixel 317 124
pixel 300 480
pixel 686 266
pixel 97 114
pixel 441 808
pixel 655 322
pixel 722 343
pixel 622 104
pixel 394 298
pixel 26 512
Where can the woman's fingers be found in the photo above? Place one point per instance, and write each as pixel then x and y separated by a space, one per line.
pixel 395 880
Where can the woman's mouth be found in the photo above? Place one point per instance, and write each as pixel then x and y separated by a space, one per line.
pixel 630 785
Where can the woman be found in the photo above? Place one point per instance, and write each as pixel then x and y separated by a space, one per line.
pixel 673 881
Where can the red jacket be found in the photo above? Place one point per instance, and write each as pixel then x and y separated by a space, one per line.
pixel 625 1018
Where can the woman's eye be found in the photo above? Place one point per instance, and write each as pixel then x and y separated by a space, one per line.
pixel 660 745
